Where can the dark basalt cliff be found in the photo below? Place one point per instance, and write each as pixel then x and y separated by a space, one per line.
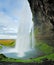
pixel 43 11
pixel 43 18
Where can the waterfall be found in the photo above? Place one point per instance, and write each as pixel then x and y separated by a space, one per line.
pixel 24 41
pixel 23 38
pixel 33 38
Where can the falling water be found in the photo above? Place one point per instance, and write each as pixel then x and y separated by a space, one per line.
pixel 33 38
pixel 23 42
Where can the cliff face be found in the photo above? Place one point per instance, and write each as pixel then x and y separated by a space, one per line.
pixel 43 11
pixel 43 18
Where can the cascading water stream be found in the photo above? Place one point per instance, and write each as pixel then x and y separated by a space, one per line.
pixel 23 42
pixel 23 37
pixel 24 47
pixel 33 38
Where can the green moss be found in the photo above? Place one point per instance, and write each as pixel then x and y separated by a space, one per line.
pixel 36 31
pixel 12 43
pixel 0 47
pixel 44 47
pixel 41 44
pixel 50 57
pixel 39 59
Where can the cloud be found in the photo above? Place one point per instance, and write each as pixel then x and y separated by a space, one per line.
pixel 14 13
pixel 7 24
pixel 10 11
pixel 6 20
pixel 10 6
pixel 10 14
pixel 26 16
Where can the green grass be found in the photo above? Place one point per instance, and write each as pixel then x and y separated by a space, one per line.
pixel 7 42
pixel 41 44
pixel 0 47
pixel 36 31
pixel 44 47
pixel 12 44
pixel 39 59
pixel 50 57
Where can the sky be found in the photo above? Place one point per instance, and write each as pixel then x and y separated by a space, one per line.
pixel 11 13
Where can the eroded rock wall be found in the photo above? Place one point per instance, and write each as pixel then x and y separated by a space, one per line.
pixel 43 18
pixel 43 11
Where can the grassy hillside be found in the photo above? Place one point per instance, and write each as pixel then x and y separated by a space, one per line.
pixel 7 42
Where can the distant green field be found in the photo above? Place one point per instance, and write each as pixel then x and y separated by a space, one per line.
pixel 7 42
